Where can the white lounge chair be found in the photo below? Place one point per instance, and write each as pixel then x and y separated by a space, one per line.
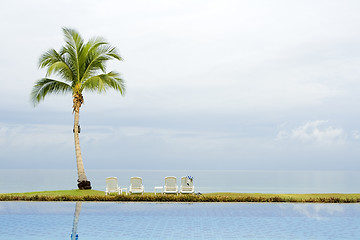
pixel 112 186
pixel 136 185
pixel 170 185
pixel 187 185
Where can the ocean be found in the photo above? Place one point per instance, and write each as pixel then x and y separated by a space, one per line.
pixel 205 181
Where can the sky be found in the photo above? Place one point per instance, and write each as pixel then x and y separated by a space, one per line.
pixel 216 84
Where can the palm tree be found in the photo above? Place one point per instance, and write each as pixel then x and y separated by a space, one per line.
pixel 80 66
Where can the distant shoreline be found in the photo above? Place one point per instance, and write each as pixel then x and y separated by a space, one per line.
pixel 99 196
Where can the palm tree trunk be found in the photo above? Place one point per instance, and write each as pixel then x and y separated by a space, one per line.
pixel 83 183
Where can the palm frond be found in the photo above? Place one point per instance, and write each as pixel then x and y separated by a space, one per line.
pixel 114 53
pixel 97 57
pixel 87 53
pixel 70 59
pixel 91 45
pixel 102 82
pixel 74 47
pixel 73 39
pixel 96 41
pixel 56 63
pixel 48 58
pixel 61 69
pixel 46 86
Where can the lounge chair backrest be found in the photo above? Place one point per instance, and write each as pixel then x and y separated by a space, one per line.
pixel 112 183
pixel 170 182
pixel 186 182
pixel 136 182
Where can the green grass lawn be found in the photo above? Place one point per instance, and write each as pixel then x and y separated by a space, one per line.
pixel 94 195
pixel 75 192
pixel 299 197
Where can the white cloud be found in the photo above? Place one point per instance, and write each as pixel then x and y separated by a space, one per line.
pixel 315 132
pixel 316 211
pixel 60 136
pixel 356 134
pixel 29 136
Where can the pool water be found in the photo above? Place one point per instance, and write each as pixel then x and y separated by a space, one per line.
pixel 89 220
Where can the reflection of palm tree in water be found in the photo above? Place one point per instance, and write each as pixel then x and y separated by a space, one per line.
pixel 74 235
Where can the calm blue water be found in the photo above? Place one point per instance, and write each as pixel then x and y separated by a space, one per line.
pixel 54 220
pixel 204 181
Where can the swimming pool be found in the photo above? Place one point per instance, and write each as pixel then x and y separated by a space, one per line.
pixel 92 220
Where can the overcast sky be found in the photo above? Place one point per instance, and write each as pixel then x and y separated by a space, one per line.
pixel 248 85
